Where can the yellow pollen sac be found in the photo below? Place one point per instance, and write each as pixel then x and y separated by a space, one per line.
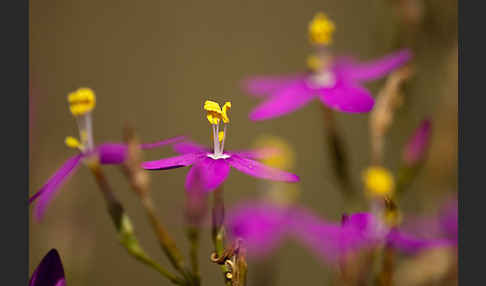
pixel 321 29
pixel 379 181
pixel 214 114
pixel 221 136
pixel 72 142
pixel 225 109
pixel 81 101
pixel 314 63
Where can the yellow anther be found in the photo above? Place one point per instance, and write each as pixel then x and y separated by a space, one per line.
pixel 321 29
pixel 72 142
pixel 225 109
pixel 221 136
pixel 214 114
pixel 314 63
pixel 379 181
pixel 81 101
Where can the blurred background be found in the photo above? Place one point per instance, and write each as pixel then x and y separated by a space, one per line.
pixel 153 63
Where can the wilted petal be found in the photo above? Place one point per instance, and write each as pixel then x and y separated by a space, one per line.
pixel 375 69
pixel 173 162
pixel 265 85
pixel 49 272
pixel 417 145
pixel 258 170
pixel 261 226
pixel 283 101
pixel 346 97
pixel 50 188
pixel 207 174
pixel 189 147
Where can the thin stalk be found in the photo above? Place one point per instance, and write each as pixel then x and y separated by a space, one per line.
pixel 336 149
pixel 139 182
pixel 218 230
pixel 193 234
pixel 123 225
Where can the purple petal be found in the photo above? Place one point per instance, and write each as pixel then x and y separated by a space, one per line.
pixel 334 242
pixel 49 272
pixel 417 145
pixel 346 97
pixel 189 147
pixel 448 220
pixel 50 188
pixel 265 85
pixel 112 153
pixel 261 153
pixel 375 69
pixel 207 174
pixel 283 101
pixel 258 170
pixel 146 146
pixel 261 226
pixel 173 162
pixel 411 244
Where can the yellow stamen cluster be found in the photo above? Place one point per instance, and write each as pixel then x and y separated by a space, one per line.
pixel 81 101
pixel 321 29
pixel 379 181
pixel 215 113
pixel 72 142
pixel 314 63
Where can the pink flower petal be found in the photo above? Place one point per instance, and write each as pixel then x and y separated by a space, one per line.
pixel 417 145
pixel 265 85
pixel 146 146
pixel 258 170
pixel 374 69
pixel 261 226
pixel 283 101
pixel 207 174
pixel 45 194
pixel 347 98
pixel 261 153
pixel 189 147
pixel 173 162
pixel 112 153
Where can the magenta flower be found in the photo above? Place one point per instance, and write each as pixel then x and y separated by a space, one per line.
pixel 211 167
pixel 337 87
pixel 262 226
pixel 49 272
pixel 81 104
pixel 417 145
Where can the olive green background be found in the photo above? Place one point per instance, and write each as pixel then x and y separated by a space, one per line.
pixel 153 63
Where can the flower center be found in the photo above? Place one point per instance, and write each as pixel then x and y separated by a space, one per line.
pixel 216 114
pixel 322 79
pixel 81 102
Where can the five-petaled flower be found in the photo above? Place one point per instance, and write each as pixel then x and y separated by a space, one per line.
pixel 211 167
pixel 335 82
pixel 81 103
pixel 261 226
pixel 49 272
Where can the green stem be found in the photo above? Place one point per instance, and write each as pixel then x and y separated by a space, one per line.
pixel 218 229
pixel 193 237
pixel 124 226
